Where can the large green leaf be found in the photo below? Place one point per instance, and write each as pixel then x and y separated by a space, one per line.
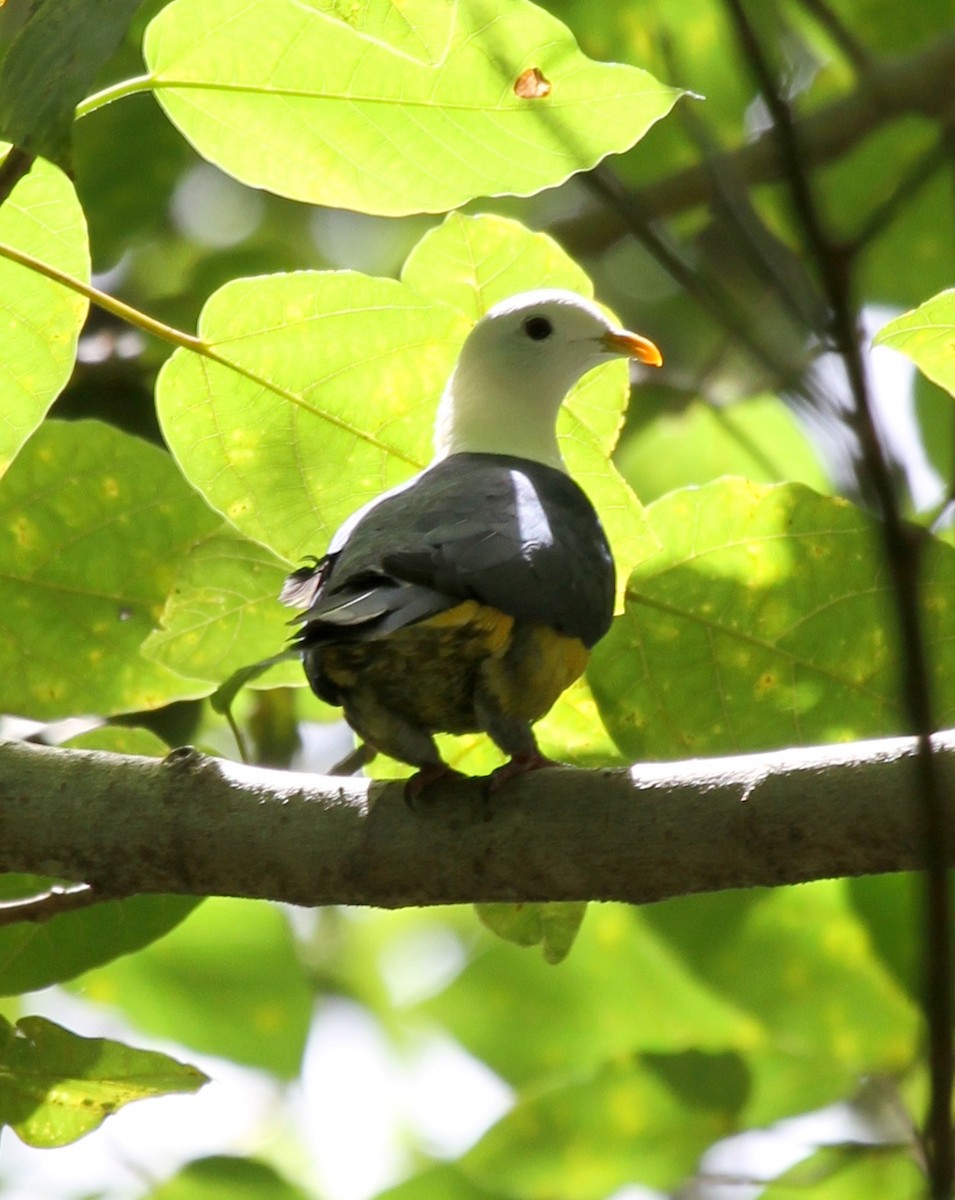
pixel 314 371
pixel 766 620
pixel 620 991
pixel 227 981
pixel 626 1124
pixel 396 117
pixel 93 523
pixel 444 1181
pixel 223 612
pixel 854 1172
pixel 225 1178
pixel 41 320
pixel 927 336
pixel 49 67
pixel 35 954
pixel 801 963
pixel 55 1086
pixel 759 439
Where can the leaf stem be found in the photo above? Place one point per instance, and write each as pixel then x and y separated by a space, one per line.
pixel 103 300
pixel 188 341
pixel 115 91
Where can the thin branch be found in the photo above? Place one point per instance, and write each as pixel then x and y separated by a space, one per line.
pixel 922 82
pixel 921 171
pixel 194 825
pixel 51 903
pixel 827 19
pixel 902 553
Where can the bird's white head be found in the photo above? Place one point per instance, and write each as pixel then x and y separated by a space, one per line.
pixel 515 368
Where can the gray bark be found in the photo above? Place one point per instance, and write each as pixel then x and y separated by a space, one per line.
pixel 203 826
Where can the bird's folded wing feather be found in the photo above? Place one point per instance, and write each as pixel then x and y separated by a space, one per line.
pixel 517 536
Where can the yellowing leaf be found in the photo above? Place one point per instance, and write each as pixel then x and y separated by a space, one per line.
pixel 55 1086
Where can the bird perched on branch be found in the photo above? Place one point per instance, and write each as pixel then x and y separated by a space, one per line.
pixel 468 599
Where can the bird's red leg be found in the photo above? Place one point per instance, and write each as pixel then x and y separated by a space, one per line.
pixel 520 764
pixel 426 776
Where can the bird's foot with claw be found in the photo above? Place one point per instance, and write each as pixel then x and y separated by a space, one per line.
pixel 425 777
pixel 520 764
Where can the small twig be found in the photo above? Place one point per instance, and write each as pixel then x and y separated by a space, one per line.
pixel 922 82
pixel 902 557
pixel 828 20
pixel 709 294
pixel 44 905
pixel 885 213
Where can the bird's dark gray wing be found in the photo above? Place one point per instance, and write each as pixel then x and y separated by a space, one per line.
pixel 516 535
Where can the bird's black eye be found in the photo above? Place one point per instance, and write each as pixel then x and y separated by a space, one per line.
pixel 538 328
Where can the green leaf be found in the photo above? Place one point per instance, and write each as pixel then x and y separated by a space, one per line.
pixel 552 926
pixel 35 954
pixel 759 439
pixel 505 1006
pixel 223 612
pixel 443 1181
pixel 471 263
pixel 41 320
pixel 320 369
pixel 227 981
pixel 93 523
pixel 890 906
pixel 50 66
pixel 221 1177
pixel 288 97
pixel 121 739
pixel 773 954
pixel 927 336
pixel 585 1139
pixel 766 620
pixel 852 1173
pixel 55 1086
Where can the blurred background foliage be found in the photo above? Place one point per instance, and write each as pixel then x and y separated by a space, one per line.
pixel 697 1048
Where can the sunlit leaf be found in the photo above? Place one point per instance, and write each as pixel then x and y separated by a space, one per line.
pixel 227 981
pixel 41 320
pixel 552 926
pixel 773 954
pixel 220 1177
pixel 765 620
pixel 852 1173
pixel 587 1138
pixel 55 1086
pixel 325 399
pixel 92 525
pixel 620 991
pixel 223 612
pixel 759 439
pixel 927 336
pixel 288 97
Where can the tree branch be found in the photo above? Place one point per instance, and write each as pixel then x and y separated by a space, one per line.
pixel 197 825
pixel 920 83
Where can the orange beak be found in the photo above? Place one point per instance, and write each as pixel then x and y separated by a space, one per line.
pixel 620 341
